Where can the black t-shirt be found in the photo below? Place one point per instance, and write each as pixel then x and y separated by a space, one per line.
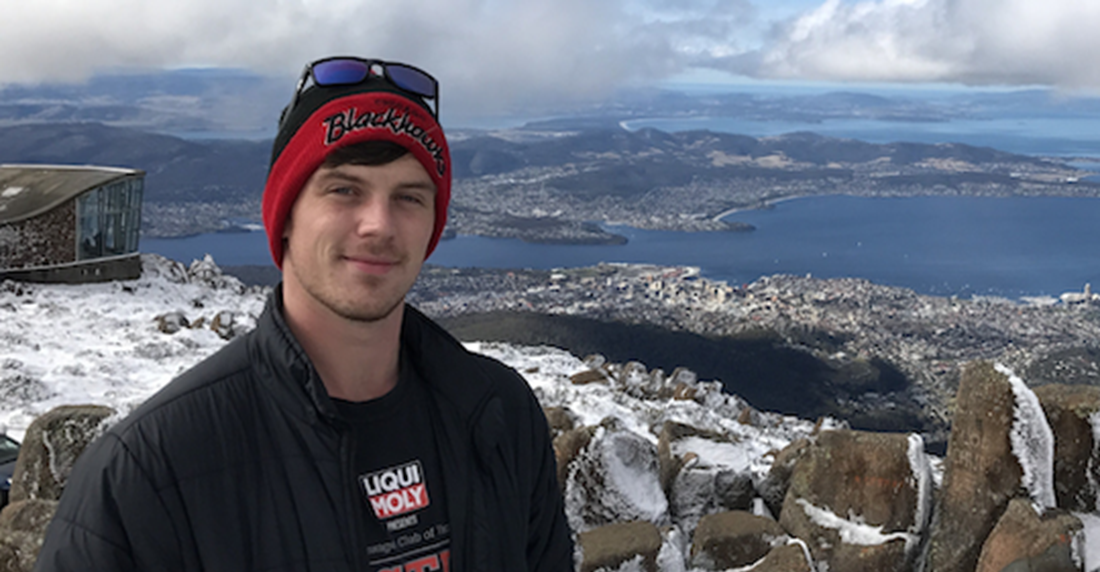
pixel 397 467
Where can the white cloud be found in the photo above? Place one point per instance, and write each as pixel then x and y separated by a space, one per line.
pixel 977 42
pixel 486 53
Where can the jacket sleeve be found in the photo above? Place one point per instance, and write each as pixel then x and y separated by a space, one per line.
pixel 550 541
pixel 108 507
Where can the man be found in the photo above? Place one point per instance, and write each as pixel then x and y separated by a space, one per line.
pixel 347 431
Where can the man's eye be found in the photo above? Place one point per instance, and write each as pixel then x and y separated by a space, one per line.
pixel 342 191
pixel 409 198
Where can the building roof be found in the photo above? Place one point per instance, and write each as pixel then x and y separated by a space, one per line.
pixel 29 190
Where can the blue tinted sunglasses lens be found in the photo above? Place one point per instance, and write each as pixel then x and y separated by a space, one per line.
pixel 340 72
pixel 411 79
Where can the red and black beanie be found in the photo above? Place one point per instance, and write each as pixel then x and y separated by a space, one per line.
pixel 328 118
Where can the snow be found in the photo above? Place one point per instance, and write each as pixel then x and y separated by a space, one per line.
pixel 99 343
pixel 737 456
pixel 922 474
pixel 1032 441
pixel 1089 550
pixel 10 192
pixel 1090 471
pixel 852 532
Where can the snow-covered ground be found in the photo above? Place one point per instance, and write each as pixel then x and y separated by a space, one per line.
pixel 102 344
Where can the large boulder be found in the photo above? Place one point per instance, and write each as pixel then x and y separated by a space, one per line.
pixel 1024 540
pixel 693 475
pixel 22 529
pixel 614 479
pixel 1074 415
pixel 50 448
pixel 773 488
pixel 792 557
pixel 610 546
pixel 734 539
pixel 567 446
pixel 861 501
pixel 981 473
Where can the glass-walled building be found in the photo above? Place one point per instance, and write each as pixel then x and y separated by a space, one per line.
pixel 69 223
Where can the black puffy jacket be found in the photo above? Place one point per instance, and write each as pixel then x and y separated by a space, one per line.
pixel 242 464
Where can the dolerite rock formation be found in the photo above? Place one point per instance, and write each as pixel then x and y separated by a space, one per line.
pixel 1025 540
pixel 734 539
pixel 51 446
pixel 860 500
pixel 981 473
pixel 1074 414
pixel 608 547
pixel 615 479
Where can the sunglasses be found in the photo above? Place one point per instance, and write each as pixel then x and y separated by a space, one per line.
pixel 338 71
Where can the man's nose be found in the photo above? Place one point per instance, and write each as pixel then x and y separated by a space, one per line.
pixel 375 217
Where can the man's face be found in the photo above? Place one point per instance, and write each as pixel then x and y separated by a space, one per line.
pixel 357 236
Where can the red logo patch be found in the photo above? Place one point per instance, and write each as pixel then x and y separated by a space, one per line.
pixel 396 491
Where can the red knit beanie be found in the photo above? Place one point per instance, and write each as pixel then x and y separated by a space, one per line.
pixel 328 118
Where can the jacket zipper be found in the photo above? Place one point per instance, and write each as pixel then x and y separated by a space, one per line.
pixel 355 530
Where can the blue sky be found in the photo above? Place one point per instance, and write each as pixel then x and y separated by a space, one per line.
pixel 498 54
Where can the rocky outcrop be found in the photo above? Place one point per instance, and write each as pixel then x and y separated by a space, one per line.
pixel 51 446
pixel 860 500
pixel 608 547
pixel 734 539
pixel 1074 415
pixel 614 479
pixel 981 473
pixel 1025 540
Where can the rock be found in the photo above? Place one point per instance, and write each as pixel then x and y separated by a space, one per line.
pixel 860 500
pixel 52 443
pixel 614 479
pixel 18 550
pixel 773 489
pixel 981 474
pixel 1072 413
pixel 588 376
pixel 695 486
pixel 171 322
pixel 733 539
pixel 32 515
pixel 560 420
pixel 566 448
pixel 788 558
pixel 226 325
pixel 1024 540
pixel 611 545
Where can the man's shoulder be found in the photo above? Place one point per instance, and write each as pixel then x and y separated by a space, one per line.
pixel 192 390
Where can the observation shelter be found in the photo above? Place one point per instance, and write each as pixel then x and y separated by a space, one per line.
pixel 72 224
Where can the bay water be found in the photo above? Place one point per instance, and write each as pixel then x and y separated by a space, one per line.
pixel 1010 247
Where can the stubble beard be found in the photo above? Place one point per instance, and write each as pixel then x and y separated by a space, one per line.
pixel 368 304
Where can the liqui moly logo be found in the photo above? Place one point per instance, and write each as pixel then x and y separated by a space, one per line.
pixel 397 490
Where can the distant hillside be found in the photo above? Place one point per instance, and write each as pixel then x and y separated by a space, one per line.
pixel 550 187
pixel 178 170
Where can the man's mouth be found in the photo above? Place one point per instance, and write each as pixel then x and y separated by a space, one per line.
pixel 372 264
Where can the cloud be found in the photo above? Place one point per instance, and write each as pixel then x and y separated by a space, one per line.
pixel 975 42
pixel 488 54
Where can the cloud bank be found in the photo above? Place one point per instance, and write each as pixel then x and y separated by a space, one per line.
pixel 495 55
pixel 487 53
pixel 974 42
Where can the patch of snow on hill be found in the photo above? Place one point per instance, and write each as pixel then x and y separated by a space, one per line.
pixel 101 344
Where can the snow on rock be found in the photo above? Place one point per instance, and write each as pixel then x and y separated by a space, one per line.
pixel 852 532
pixel 615 480
pixel 1032 441
pixel 1091 470
pixel 1088 551
pixel 922 474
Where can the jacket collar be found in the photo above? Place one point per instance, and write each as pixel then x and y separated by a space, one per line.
pixel 441 361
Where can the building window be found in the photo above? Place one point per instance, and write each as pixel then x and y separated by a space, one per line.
pixel 109 219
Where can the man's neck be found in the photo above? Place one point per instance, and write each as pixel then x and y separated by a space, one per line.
pixel 357 361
